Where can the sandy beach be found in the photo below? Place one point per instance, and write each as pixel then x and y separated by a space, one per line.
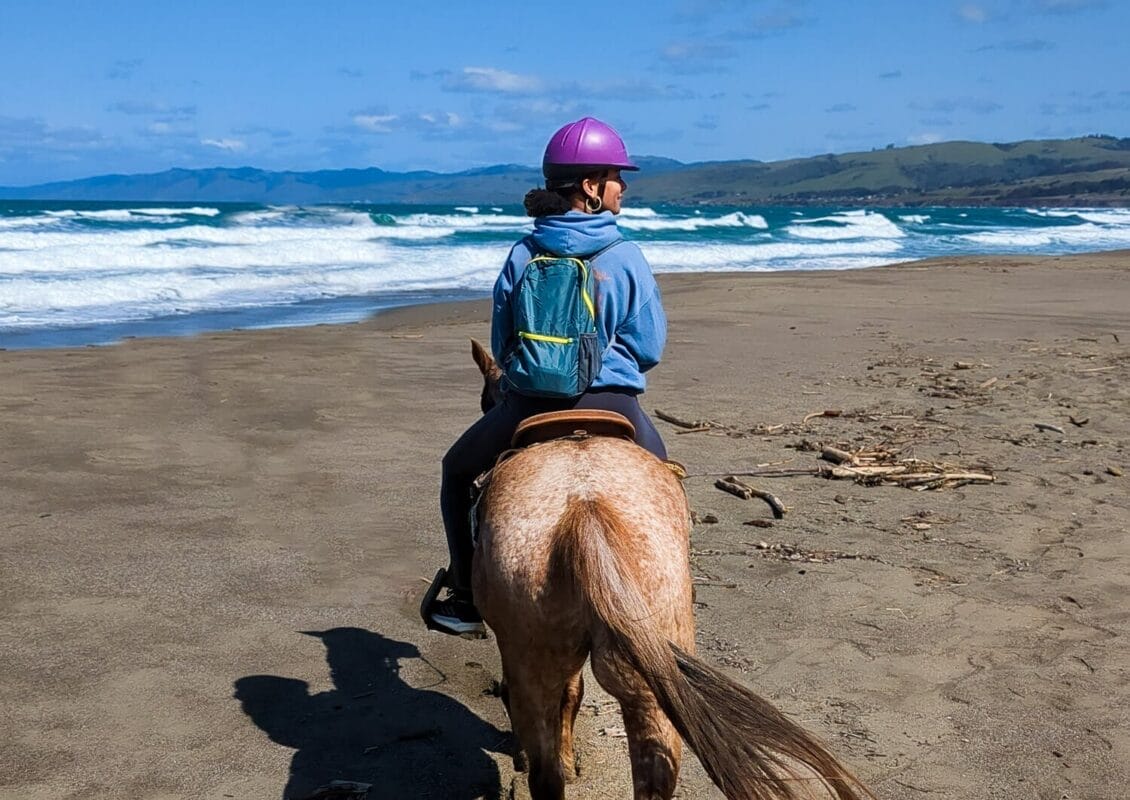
pixel 212 548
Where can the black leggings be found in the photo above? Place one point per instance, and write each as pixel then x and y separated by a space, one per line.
pixel 479 447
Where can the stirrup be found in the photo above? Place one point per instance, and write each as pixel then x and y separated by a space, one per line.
pixel 430 596
pixel 438 582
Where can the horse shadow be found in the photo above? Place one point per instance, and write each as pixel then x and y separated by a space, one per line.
pixel 374 728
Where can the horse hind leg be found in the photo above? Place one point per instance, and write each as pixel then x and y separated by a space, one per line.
pixel 570 706
pixel 654 745
pixel 654 748
pixel 543 696
pixel 535 714
pixel 521 764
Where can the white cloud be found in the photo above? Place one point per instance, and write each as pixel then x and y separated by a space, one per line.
pixel 1069 6
pixel 123 69
pixel 925 138
pixel 489 79
pixel 973 13
pixel 150 108
pixel 230 145
pixel 375 123
pixel 35 134
pixel 440 119
pixel 950 105
pixel 539 107
pixel 694 50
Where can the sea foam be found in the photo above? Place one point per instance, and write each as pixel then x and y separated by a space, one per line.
pixel 846 225
pixel 99 266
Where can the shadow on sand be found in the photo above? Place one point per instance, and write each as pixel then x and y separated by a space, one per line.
pixel 374 728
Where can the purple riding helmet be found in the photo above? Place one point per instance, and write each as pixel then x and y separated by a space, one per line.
pixel 583 147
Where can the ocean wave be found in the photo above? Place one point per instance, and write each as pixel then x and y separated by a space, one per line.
pixel 1112 217
pixel 680 257
pixel 464 221
pixel 1103 216
pixel 106 295
pixel 260 217
pixel 58 268
pixel 146 249
pixel 738 219
pixel 860 224
pixel 638 213
pixel 1082 236
pixel 195 211
pixel 27 222
pixel 152 215
pixel 114 215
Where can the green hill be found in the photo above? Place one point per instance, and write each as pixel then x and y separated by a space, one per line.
pixel 1094 170
pixel 1088 171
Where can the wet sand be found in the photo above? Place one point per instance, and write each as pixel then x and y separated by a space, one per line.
pixel 212 548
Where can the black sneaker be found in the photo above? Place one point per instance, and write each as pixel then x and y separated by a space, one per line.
pixel 457 616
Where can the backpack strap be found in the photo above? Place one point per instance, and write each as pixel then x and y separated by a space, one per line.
pixel 535 250
pixel 605 249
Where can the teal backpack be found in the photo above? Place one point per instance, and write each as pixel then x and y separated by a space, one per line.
pixel 556 350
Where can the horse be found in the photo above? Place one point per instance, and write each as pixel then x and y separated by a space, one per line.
pixel 582 551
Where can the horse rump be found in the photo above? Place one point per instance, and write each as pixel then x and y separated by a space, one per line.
pixel 748 747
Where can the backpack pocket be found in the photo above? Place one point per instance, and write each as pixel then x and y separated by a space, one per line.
pixel 545 365
pixel 589 361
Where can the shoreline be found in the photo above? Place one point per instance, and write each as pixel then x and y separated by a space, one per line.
pixel 403 306
pixel 214 547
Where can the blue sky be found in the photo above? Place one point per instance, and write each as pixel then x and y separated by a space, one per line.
pixel 113 86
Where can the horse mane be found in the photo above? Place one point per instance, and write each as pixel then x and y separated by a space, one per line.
pixel 749 748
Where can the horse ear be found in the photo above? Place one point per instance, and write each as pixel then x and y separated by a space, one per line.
pixel 482 357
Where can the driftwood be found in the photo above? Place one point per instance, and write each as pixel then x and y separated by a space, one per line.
pixel 869 467
pixel 837 456
pixel 760 429
pixel 829 412
pixel 759 473
pixel 697 424
pixel 1043 426
pixel 782 551
pixel 912 473
pixel 741 489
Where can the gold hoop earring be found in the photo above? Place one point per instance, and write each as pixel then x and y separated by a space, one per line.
pixel 594 208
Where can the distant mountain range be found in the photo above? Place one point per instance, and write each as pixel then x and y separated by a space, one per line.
pixel 1087 171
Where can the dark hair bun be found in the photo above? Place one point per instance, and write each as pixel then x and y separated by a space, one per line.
pixel 545 203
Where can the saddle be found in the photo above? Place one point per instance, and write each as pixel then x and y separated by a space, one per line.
pixel 571 423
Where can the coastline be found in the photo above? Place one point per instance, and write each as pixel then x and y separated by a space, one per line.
pixel 181 510
pixel 74 276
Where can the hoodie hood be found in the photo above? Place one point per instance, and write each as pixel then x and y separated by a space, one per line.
pixel 576 233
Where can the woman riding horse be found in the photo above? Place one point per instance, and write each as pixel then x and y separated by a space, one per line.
pixel 574 215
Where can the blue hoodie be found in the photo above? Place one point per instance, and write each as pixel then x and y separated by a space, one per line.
pixel 631 324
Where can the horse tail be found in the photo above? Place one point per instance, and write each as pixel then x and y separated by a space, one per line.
pixel 747 746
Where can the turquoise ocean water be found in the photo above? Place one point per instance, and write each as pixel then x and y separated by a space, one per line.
pixel 94 273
